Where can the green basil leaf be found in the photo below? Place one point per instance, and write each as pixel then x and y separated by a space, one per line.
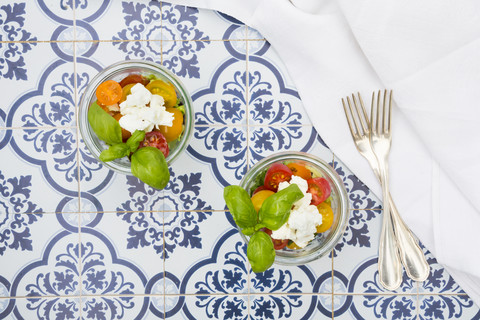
pixel 150 166
pixel 260 252
pixel 241 207
pixel 134 141
pixel 116 151
pixel 276 209
pixel 105 126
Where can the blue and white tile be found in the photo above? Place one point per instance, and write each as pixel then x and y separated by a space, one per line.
pixel 272 97
pixel 264 141
pixel 114 307
pixel 45 162
pixel 447 307
pixel 359 195
pixel 206 256
pixel 106 269
pixel 290 307
pixel 48 308
pixel 26 21
pixel 365 307
pixel 207 307
pixel 36 262
pixel 37 87
pixel 254 34
pixel 224 150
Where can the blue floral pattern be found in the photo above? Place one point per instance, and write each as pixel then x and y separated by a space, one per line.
pixel 80 241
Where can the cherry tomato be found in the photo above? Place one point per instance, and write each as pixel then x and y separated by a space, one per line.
pixel 277 173
pixel 278 244
pixel 172 133
pixel 134 78
pixel 260 188
pixel 327 217
pixel 109 92
pixel 125 133
pixel 320 190
pixel 126 90
pixel 157 140
pixel 259 197
pixel 300 170
pixel 164 89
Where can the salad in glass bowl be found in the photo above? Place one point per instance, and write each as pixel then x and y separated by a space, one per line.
pixel 290 208
pixel 136 117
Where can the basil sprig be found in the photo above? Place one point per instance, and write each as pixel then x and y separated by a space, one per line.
pixel 273 213
pixel 150 166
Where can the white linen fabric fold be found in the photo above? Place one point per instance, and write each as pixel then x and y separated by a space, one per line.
pixel 428 53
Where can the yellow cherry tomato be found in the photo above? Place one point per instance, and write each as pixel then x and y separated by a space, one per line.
pixel 259 197
pixel 327 216
pixel 172 133
pixel 126 91
pixel 293 246
pixel 164 89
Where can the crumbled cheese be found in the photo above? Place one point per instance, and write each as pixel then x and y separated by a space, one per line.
pixel 143 110
pixel 304 218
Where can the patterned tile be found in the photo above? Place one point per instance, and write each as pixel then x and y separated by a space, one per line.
pixel 363 307
pixel 447 307
pixel 290 307
pixel 49 308
pixel 39 255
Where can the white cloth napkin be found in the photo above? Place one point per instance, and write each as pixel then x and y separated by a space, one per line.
pixel 429 54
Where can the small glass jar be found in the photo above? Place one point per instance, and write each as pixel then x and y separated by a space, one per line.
pixel 323 243
pixel 117 72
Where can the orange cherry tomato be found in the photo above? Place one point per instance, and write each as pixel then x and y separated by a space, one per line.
pixel 327 217
pixel 125 133
pixel 109 92
pixel 164 89
pixel 172 133
pixel 300 170
pixel 259 197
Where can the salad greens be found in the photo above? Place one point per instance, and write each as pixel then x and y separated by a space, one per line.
pixel 276 209
pixel 260 251
pixel 104 126
pixel 150 166
pixel 242 208
pixel 121 149
pixel 273 214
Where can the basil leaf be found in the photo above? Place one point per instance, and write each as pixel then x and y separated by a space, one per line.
pixel 276 209
pixel 241 207
pixel 260 252
pixel 105 126
pixel 150 166
pixel 134 141
pixel 116 151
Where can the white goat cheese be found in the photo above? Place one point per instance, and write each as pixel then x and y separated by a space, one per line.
pixel 143 110
pixel 304 218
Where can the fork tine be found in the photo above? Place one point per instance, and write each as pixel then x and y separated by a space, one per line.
pixel 348 115
pixel 384 110
pixel 357 127
pixel 365 115
pixel 389 111
pixel 359 113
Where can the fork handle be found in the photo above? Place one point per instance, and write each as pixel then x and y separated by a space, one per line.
pixel 411 254
pixel 389 265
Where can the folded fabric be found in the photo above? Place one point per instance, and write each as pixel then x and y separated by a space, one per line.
pixel 428 54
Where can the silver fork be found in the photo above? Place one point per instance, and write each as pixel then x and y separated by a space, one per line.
pixel 410 253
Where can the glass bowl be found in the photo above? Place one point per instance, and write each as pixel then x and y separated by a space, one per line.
pixel 117 72
pixel 324 242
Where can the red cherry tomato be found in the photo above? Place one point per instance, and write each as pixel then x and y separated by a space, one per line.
pixel 134 78
pixel 320 190
pixel 277 173
pixel 277 243
pixel 157 140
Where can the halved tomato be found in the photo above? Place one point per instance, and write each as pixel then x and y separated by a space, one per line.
pixel 300 170
pixel 173 133
pixel 259 197
pixel 327 217
pixel 157 140
pixel 278 244
pixel 109 92
pixel 277 173
pixel 320 190
pixel 260 188
pixel 133 79
pixel 164 89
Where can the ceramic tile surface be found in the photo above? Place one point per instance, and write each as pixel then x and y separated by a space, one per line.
pixel 78 241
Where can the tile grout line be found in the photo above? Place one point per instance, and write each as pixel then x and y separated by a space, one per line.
pixel 247 97
pixel 75 84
